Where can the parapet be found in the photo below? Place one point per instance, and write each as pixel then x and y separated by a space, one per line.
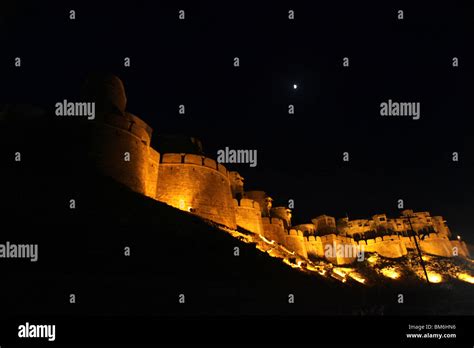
pixel 172 158
pixel 314 239
pixel 273 221
pixel 294 232
pixel 246 203
pixel 262 198
pixel 192 159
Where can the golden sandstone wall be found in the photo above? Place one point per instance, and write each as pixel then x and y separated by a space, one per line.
pixel 388 246
pixel 248 215
pixel 273 229
pixel 295 241
pixel 197 184
pixel 119 142
pixel 200 185
pixel 120 147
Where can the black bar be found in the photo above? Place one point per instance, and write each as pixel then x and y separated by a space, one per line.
pixel 243 329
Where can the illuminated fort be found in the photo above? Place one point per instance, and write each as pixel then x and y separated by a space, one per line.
pixel 181 176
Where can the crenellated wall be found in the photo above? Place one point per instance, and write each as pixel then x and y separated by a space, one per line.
pixel 295 241
pixel 248 215
pixel 314 247
pixel 274 229
pixel 197 184
pixel 391 246
pixel 263 200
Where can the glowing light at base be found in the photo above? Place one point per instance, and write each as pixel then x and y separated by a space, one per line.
pixel 373 259
pixel 341 273
pixel 266 240
pixel 434 277
pixel 390 272
pixel 291 264
pixel 319 270
pixel 357 277
pixel 466 277
pixel 439 270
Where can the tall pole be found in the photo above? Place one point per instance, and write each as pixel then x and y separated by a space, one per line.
pixel 418 249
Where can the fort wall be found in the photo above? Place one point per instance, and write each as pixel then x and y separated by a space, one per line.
pixel 248 215
pixel 314 247
pixel 295 241
pixel 113 139
pixel 263 200
pixel 273 229
pixel 391 246
pixel 435 244
pixel 196 184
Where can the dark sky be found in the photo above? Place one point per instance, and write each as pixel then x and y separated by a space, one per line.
pixel 337 109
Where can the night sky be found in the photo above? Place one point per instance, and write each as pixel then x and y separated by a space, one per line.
pixel 337 109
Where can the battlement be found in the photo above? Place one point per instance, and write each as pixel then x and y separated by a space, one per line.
pixel 371 241
pixel 198 160
pixel 294 232
pixel 196 184
pixel 329 238
pixel 248 215
pixel 314 239
pixel 246 203
pixel 273 221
